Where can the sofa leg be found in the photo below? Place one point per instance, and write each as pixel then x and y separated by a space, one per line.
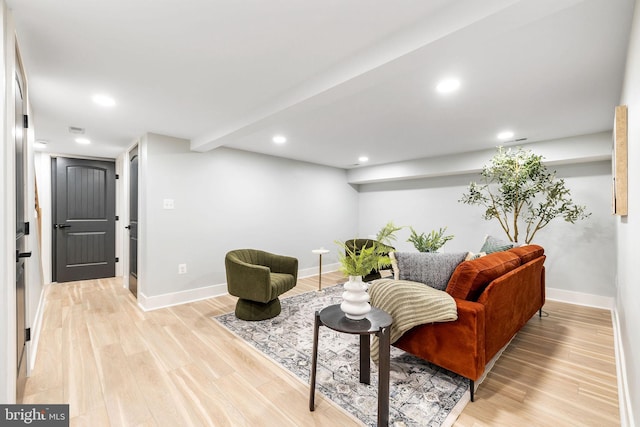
pixel 471 387
pixel 540 312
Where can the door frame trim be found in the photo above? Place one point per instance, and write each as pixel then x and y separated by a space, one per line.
pixel 8 360
pixel 125 217
pixel 23 356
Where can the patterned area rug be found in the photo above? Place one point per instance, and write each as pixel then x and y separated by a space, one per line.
pixel 421 394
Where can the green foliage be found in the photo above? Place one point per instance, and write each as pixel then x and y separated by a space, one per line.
pixel 360 262
pixel 387 234
pixel 517 187
pixel 429 242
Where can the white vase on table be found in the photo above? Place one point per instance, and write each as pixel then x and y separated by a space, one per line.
pixel 355 304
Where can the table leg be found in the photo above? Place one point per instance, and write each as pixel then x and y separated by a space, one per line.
pixel 383 376
pixel 314 363
pixel 365 359
pixel 320 274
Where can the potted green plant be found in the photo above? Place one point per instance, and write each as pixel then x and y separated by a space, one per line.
pixel 359 262
pixel 387 234
pixel 356 263
pixel 429 242
pixel 517 189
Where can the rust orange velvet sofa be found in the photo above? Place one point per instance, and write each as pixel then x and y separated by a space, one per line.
pixel 495 296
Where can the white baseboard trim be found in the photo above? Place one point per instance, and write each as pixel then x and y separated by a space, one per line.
pixel 155 302
pixel 580 298
pixel 148 303
pixel 624 397
pixel 36 328
pixel 326 268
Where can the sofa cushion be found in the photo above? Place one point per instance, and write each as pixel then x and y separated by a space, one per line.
pixel 431 268
pixel 493 244
pixel 528 252
pixel 471 255
pixel 471 277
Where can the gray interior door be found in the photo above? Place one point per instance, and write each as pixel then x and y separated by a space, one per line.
pixel 84 219
pixel 21 232
pixel 133 221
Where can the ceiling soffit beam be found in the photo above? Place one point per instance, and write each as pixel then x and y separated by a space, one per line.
pixel 450 20
pixel 575 149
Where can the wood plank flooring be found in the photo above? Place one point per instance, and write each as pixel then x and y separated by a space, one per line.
pixel 119 366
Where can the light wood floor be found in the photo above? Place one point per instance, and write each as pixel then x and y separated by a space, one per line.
pixel 117 365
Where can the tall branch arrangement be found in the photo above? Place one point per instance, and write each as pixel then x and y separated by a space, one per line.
pixel 517 189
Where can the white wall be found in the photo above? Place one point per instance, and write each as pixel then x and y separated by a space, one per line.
pixel 227 199
pixel 42 170
pixel 431 203
pixel 628 232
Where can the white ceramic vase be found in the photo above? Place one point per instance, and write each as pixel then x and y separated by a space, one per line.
pixel 355 304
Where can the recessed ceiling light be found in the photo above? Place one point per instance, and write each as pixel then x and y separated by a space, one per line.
pixel 279 139
pixel 363 159
pixel 504 135
pixel 448 85
pixel 83 141
pixel 103 100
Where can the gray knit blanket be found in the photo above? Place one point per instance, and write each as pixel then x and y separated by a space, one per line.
pixel 409 304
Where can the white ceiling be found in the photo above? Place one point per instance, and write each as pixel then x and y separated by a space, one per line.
pixel 339 79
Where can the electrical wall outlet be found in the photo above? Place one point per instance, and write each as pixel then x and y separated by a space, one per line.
pixel 167 204
pixel 182 268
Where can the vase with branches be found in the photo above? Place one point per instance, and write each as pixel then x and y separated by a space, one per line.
pixel 360 261
pixel 517 189
pixel 357 262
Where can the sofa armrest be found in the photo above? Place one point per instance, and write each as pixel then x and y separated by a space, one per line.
pixel 458 346
pixel 510 301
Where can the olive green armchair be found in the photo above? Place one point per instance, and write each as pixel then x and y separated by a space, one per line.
pixel 257 278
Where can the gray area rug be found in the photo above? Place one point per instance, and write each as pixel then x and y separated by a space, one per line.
pixel 421 394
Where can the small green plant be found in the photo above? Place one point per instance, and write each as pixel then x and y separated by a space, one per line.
pixel 387 234
pixel 360 261
pixel 429 242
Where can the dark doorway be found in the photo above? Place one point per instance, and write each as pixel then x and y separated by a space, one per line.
pixel 133 221
pixel 84 201
pixel 21 233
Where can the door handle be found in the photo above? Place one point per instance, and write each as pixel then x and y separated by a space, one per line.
pixel 61 226
pixel 128 227
pixel 22 255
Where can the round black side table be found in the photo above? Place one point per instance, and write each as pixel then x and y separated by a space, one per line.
pixel 377 322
